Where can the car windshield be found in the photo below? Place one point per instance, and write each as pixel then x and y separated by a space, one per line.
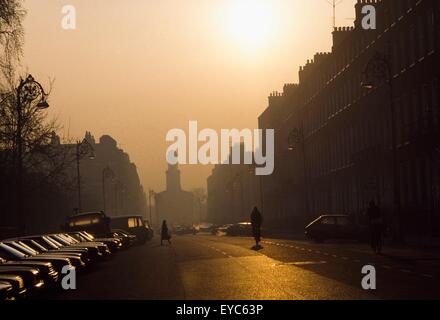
pixel 53 241
pixel 35 245
pixel 14 252
pixel 25 248
pixel 87 235
pixel 17 246
pixel 60 239
pixel 72 239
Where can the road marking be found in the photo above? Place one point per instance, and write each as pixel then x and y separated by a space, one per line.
pixel 387 267
pixel 334 256
pixel 405 270
pixel 427 275
pixel 344 258
pixel 357 260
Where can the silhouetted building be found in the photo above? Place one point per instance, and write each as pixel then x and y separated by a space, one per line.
pixel 347 129
pixel 124 193
pixel 233 191
pixel 174 204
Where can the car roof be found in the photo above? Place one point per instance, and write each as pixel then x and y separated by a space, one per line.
pixel 85 214
pixel 127 216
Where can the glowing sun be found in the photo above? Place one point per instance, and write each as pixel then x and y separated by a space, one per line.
pixel 251 22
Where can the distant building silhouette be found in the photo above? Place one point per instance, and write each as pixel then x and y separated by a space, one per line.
pixel 174 204
pixel 124 193
pixel 233 191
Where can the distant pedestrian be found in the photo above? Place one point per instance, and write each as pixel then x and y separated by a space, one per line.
pixel 165 234
pixel 256 221
pixel 377 225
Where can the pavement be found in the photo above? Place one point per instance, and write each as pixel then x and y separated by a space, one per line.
pixel 210 267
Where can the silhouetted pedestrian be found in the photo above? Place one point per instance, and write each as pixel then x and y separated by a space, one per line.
pixel 376 223
pixel 165 234
pixel 256 221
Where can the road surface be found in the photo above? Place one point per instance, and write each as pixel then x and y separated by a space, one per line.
pixel 213 267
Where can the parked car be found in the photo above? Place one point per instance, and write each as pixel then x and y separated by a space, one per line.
pixel 134 225
pixel 79 254
pixel 243 229
pixel 19 290
pixel 113 244
pixel 9 253
pixel 335 227
pixel 6 291
pixel 75 259
pixel 31 276
pixel 48 273
pixel 182 230
pixel 127 239
pixel 96 223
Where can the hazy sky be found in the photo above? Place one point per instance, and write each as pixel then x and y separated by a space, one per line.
pixel 135 69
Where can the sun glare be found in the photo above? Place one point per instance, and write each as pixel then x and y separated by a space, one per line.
pixel 251 22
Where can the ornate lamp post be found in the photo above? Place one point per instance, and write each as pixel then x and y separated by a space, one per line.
pixel 295 138
pixel 379 70
pixel 107 173
pixel 31 94
pixel 83 148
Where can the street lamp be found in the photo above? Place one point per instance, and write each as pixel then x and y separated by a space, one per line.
pixel 378 70
pixel 29 93
pixel 107 173
pixel 295 138
pixel 83 148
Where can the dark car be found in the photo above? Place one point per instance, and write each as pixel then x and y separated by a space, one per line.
pixel 102 248
pixel 134 225
pixel 6 291
pixel 30 275
pixel 75 258
pixel 47 268
pixel 48 273
pixel 335 227
pixel 19 290
pixel 113 244
pixel 97 223
pixel 9 253
pixel 30 248
pixel 243 229
pixel 127 239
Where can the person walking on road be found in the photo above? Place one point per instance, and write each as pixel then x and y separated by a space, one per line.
pixel 376 222
pixel 165 234
pixel 256 221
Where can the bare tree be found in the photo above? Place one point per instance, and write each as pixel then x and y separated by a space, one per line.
pixel 11 40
